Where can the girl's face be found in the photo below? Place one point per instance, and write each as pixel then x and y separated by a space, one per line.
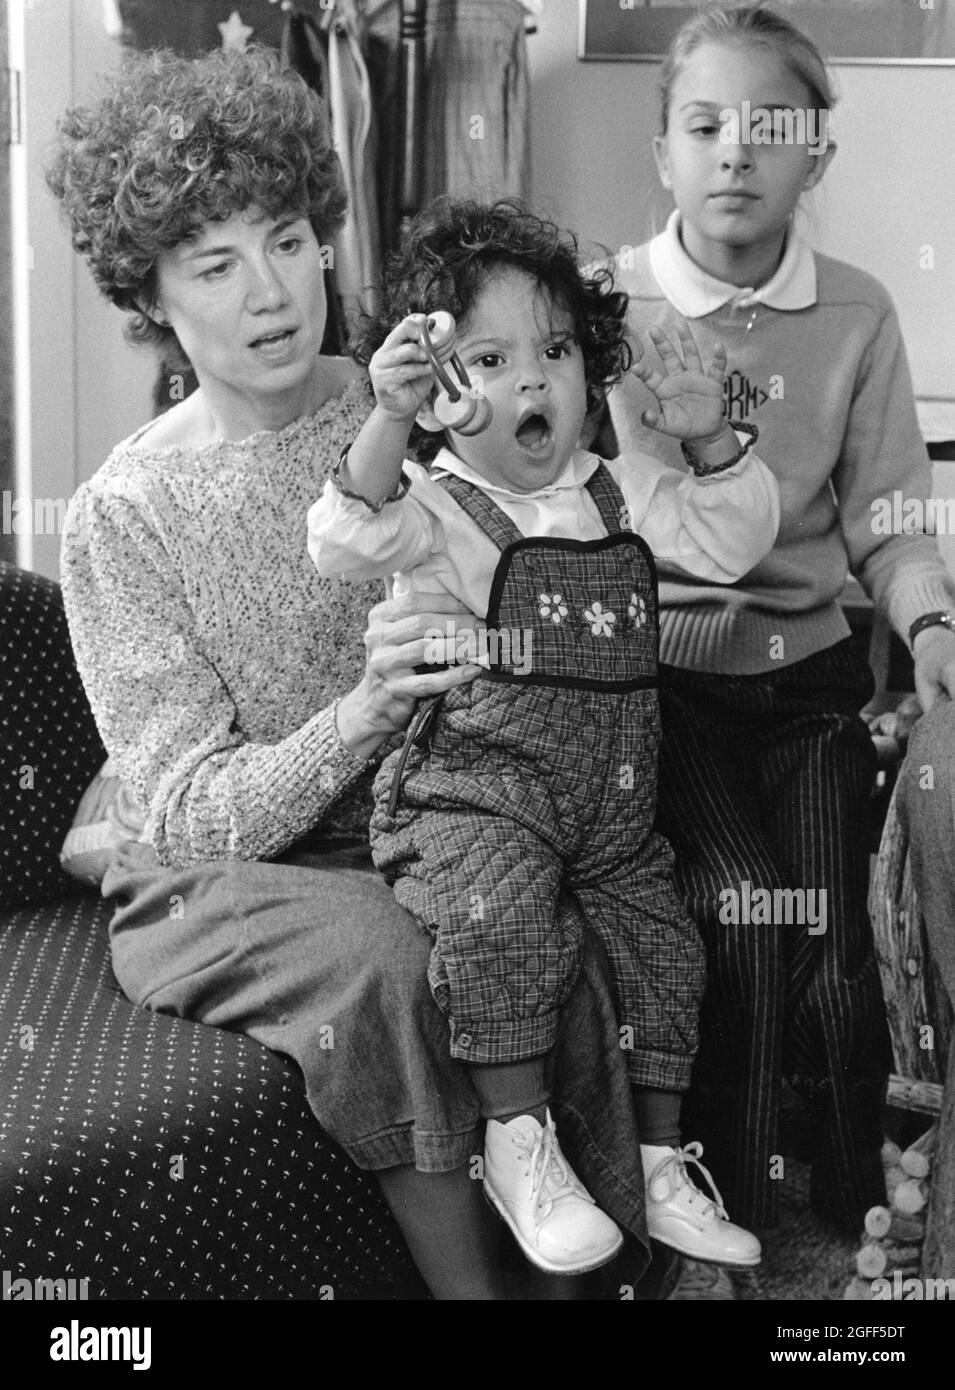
pixel 522 348
pixel 735 198
pixel 246 298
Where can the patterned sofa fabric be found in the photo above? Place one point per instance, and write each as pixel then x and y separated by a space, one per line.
pixel 151 1156
pixel 49 745
pixel 159 1158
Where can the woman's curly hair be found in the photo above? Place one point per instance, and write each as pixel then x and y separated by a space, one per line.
pixel 446 257
pixel 174 143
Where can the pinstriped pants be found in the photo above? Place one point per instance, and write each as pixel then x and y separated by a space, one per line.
pixel 764 784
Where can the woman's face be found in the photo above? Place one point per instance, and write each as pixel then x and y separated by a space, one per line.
pixel 246 298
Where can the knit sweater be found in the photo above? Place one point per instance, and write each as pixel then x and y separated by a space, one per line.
pixel 828 385
pixel 211 650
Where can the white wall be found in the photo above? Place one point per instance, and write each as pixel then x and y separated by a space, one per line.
pixel 88 388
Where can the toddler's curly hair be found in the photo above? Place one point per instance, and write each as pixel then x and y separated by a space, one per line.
pixel 173 143
pixel 448 254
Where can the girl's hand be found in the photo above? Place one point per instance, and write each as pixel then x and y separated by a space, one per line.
pixel 396 642
pixel 689 399
pixel 400 372
pixel 934 654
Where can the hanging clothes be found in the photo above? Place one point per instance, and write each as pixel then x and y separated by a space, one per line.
pixel 383 60
pixel 478 99
pixel 357 248
pixel 476 66
pixel 304 48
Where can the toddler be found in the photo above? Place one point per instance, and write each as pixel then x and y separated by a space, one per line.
pixel 539 777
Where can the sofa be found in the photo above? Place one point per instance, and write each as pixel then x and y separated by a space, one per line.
pixel 154 1157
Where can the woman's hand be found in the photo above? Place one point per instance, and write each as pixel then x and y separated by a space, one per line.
pixel 934 654
pixel 400 371
pixel 401 635
pixel 689 398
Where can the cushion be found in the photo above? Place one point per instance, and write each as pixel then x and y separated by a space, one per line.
pixel 49 745
pixel 160 1158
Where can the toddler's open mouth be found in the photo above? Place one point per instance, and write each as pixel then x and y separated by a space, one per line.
pixel 533 432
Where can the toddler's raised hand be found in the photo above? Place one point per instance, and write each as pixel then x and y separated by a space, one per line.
pixel 400 372
pixel 689 398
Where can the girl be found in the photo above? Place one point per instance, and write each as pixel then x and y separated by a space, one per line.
pixel 543 777
pixel 766 767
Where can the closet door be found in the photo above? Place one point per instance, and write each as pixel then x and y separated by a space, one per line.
pixel 7 460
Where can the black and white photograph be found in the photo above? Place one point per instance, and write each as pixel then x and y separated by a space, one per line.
pixel 477 671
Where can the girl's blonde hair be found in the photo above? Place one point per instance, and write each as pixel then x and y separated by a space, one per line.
pixel 753 24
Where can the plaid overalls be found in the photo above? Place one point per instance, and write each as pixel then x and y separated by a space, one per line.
pixel 530 785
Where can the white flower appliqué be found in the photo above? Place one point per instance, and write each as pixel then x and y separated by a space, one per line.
pixel 552 606
pixel 637 610
pixel 601 623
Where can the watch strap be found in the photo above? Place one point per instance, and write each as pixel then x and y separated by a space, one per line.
pixel 939 619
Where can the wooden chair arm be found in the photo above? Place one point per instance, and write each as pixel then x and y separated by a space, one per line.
pixel 915 998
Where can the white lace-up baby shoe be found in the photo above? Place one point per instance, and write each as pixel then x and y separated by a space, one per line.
pixel 531 1185
pixel 686 1219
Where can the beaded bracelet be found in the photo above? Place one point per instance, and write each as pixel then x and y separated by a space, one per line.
pixel 403 485
pixel 703 471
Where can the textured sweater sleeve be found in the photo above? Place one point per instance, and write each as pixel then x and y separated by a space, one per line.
pixel 884 459
pixel 164 714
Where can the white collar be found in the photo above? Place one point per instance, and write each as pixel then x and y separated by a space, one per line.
pixel 578 469
pixel 694 293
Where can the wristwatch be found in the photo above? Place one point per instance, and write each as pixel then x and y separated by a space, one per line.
pixel 931 620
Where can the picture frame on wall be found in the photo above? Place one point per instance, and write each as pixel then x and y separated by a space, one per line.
pixel 848 31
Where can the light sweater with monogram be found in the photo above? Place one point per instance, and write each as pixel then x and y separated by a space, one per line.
pixel 211 650
pixel 816 361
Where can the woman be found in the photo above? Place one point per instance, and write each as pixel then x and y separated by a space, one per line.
pixel 229 680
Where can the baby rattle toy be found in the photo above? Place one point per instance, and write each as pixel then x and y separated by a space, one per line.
pixel 462 408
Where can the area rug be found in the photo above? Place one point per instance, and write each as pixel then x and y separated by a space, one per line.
pixel 803 1259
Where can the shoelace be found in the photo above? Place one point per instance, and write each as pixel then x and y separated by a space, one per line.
pixel 550 1178
pixel 673 1168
